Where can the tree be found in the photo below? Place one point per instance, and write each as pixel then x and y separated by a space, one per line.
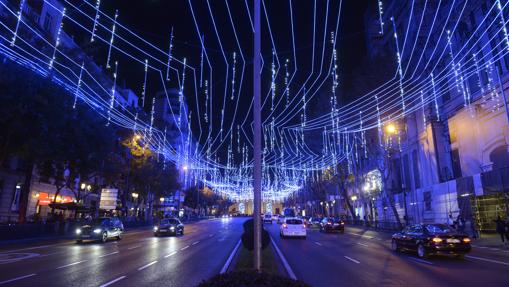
pixel 40 126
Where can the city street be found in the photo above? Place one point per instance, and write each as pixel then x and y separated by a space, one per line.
pixel 140 257
pixel 364 259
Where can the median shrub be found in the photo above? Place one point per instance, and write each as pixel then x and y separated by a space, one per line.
pixel 251 279
pixel 248 236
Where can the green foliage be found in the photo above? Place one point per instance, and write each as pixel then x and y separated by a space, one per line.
pixel 248 236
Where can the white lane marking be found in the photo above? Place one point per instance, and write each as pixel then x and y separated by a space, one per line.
pixel 113 281
pixel 487 260
pixel 196 242
pixel 71 264
pixel 171 254
pixel 131 248
pixel 365 245
pixel 318 243
pixel 184 248
pixel 17 278
pixel 104 255
pixel 283 259
pixel 420 260
pixel 482 247
pixel 145 266
pixel 230 258
pixel 351 259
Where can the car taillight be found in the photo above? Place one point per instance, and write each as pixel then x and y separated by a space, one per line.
pixel 437 240
pixel 284 225
pixel 342 223
pixel 466 240
pixel 329 223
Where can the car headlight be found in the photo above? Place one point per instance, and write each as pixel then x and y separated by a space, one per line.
pixel 155 228
pixel 97 230
pixel 172 227
pixel 78 231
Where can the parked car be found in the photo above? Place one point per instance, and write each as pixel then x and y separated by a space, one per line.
pixel 102 229
pixel 280 219
pixel 267 218
pixel 330 224
pixel 169 226
pixel 293 227
pixel 431 239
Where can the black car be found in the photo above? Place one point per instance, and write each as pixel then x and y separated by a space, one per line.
pixel 431 239
pixel 329 224
pixel 101 229
pixel 169 226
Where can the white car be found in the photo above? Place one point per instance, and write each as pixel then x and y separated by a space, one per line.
pixel 293 227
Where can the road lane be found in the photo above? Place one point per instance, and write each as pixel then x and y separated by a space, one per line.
pixel 366 260
pixel 95 264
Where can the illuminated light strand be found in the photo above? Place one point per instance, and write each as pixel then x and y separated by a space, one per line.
pixel 96 19
pixel 112 39
pixel 238 138
pixel 18 21
pixel 502 22
pixel 400 72
pixel 144 87
pixel 233 75
pixel 380 17
pixel 478 72
pixel 423 112
pixel 273 81
pixel 78 86
pixel 170 56
pixel 287 88
pixel 464 88
pixel 201 59
pixel 152 113
pixel 57 40
pixel 435 97
pixel 206 90
pixel 113 91
pixel 453 64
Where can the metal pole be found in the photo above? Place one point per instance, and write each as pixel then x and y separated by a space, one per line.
pixel 257 168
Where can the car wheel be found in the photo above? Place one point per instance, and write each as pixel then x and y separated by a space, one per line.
pixel 182 231
pixel 394 245
pixel 79 241
pixel 460 256
pixel 119 236
pixel 104 237
pixel 156 234
pixel 421 251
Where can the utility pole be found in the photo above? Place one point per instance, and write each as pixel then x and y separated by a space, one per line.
pixel 257 167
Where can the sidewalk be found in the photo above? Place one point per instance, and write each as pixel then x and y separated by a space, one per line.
pixel 486 241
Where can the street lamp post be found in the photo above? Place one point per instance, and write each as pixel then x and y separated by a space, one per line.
pixel 257 164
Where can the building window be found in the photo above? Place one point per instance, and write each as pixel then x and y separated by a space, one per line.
pixel 456 164
pixel 48 21
pixel 417 177
pixel 427 200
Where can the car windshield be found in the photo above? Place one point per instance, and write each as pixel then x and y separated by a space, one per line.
pixel 293 221
pixel 95 221
pixel 168 221
pixel 438 228
pixel 268 216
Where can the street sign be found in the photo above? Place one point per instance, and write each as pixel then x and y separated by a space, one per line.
pixel 108 198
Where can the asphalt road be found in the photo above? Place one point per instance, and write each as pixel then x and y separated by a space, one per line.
pixel 365 259
pixel 139 259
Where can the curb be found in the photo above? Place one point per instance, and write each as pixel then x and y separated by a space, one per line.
pixel 288 269
pixel 228 262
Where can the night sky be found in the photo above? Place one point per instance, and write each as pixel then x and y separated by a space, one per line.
pixel 153 21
